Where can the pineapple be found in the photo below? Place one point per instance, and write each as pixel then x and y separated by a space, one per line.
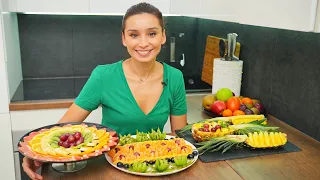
pixel 266 140
pixel 262 139
pixel 245 119
pixel 208 130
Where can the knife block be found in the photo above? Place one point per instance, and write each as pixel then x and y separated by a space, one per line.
pixel 212 52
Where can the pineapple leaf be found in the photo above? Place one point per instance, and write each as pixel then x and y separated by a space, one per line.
pixel 259 122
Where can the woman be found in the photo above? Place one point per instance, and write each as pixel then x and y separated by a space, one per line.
pixel 138 93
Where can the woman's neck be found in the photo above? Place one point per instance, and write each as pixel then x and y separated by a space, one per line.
pixel 142 70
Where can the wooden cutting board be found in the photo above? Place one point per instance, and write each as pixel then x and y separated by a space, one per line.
pixel 211 52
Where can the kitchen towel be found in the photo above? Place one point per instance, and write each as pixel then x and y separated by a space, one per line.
pixel 227 74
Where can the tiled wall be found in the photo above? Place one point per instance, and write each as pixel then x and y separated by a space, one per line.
pixel 281 67
pixel 68 46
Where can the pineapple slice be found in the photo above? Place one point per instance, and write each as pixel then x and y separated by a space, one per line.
pixel 266 140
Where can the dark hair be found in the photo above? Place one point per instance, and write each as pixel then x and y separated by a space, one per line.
pixel 141 8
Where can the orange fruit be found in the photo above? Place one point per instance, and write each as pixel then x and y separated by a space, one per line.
pixel 246 100
pixel 238 112
pixel 233 104
pixel 227 113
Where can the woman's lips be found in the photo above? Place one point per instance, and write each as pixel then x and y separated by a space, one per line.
pixel 144 53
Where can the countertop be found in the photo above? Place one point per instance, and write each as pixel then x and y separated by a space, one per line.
pixel 296 165
pixel 51 93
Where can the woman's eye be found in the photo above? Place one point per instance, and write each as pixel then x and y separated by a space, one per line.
pixel 133 35
pixel 152 34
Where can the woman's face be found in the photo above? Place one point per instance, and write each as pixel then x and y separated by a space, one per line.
pixel 143 37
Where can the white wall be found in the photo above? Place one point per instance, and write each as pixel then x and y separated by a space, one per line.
pixel 12 47
pixel 7 160
pixel 317 21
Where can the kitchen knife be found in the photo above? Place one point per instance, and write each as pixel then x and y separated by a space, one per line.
pixel 221 48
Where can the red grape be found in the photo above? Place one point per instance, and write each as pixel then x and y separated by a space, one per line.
pixel 218 127
pixel 213 129
pixel 80 141
pixel 206 129
pixel 66 144
pixel 71 139
pixel 77 136
pixel 206 126
pixel 63 137
pixel 60 143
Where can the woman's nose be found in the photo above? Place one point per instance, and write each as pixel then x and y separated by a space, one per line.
pixel 143 41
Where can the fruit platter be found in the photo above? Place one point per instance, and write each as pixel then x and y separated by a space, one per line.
pixel 67 144
pixel 224 133
pixel 224 103
pixel 152 154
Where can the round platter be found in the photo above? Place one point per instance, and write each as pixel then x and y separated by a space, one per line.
pixel 109 159
pixel 210 113
pixel 26 151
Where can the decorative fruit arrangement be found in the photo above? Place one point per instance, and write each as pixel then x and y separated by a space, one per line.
pixel 242 130
pixel 67 143
pixel 225 104
pixel 152 153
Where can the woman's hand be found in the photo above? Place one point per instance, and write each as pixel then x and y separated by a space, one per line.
pixel 30 166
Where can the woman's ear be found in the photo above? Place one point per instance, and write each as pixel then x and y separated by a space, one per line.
pixel 123 40
pixel 164 37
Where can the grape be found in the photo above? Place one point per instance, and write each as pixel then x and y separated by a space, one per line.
pixel 206 130
pixel 213 129
pixel 60 143
pixel 63 137
pixel 77 136
pixel 206 126
pixel 218 127
pixel 79 141
pixel 71 139
pixel 65 144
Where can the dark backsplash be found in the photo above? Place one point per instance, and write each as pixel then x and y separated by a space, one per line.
pixel 281 67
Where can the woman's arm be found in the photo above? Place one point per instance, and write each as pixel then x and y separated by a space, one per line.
pixel 177 122
pixel 74 114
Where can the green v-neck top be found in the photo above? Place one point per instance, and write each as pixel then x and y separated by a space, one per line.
pixel 108 87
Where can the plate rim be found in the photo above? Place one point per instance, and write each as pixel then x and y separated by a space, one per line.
pixel 101 126
pixel 109 160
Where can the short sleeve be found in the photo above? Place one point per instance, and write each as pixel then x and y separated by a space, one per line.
pixel 179 106
pixel 89 97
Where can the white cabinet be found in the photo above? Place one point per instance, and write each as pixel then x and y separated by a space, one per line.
pixel 227 10
pixel 4 91
pixel 317 21
pixel 7 159
pixel 284 14
pixel 121 6
pixel 53 6
pixel 185 8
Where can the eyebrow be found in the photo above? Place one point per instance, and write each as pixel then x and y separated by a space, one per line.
pixel 153 28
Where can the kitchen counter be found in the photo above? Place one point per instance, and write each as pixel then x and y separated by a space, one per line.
pixel 296 165
pixel 51 93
